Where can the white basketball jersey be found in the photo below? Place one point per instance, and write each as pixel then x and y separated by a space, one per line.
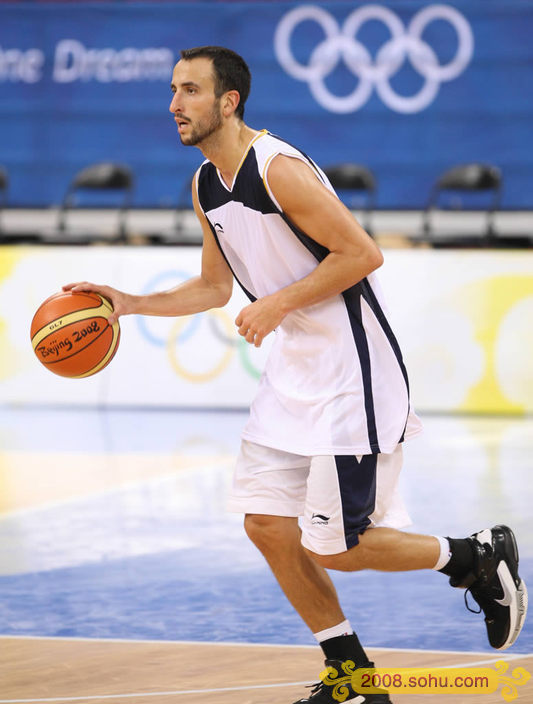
pixel 334 381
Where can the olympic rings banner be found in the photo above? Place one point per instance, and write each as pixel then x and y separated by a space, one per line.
pixel 407 87
pixel 463 320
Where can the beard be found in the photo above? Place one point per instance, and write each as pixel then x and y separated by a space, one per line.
pixel 203 128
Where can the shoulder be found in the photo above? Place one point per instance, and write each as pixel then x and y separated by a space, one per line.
pixel 292 176
pixel 285 162
pixel 268 145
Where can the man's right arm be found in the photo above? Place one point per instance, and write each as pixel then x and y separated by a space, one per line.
pixel 211 289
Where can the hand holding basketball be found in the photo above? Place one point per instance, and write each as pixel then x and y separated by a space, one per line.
pixel 119 300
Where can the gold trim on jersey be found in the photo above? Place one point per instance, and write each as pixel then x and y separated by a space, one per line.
pixel 261 133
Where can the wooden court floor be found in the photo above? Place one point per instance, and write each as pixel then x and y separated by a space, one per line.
pixel 134 672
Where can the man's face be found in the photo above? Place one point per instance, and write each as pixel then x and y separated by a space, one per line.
pixel 195 108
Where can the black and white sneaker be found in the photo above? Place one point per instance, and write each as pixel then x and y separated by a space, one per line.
pixel 335 686
pixel 495 584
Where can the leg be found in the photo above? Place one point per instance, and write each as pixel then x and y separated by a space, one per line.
pixel 311 592
pixel 486 563
pixel 385 549
pixel 305 583
pixel 489 572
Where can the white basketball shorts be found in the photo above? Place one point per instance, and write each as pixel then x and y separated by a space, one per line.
pixel 336 497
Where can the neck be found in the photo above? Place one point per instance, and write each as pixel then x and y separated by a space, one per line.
pixel 226 147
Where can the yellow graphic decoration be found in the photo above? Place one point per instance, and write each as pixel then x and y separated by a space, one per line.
pixel 519 678
pixel 330 677
pixel 428 681
pixel 487 304
pixel 9 258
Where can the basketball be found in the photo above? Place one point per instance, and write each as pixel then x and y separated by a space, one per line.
pixel 71 336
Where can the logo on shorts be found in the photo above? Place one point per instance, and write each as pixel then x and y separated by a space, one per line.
pixel 319 519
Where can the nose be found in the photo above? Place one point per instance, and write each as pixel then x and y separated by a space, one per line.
pixel 174 103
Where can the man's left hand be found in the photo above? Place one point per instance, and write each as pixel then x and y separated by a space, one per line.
pixel 259 319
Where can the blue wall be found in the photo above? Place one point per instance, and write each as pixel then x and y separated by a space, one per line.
pixel 79 84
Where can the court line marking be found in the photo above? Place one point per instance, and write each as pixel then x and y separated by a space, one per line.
pixel 477 663
pixel 134 695
pixel 242 644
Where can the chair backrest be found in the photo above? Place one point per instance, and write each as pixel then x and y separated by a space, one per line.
pixel 473 177
pixel 105 177
pixel 355 178
pixel 350 177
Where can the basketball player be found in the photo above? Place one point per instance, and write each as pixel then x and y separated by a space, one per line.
pixel 323 442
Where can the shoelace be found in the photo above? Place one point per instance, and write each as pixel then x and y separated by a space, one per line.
pixel 485 602
pixel 474 611
pixel 316 687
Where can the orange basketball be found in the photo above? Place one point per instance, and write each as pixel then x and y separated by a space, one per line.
pixel 71 336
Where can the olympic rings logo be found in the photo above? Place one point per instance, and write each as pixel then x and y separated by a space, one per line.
pixel 404 43
pixel 220 326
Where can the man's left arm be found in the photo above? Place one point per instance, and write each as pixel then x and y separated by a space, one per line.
pixel 321 215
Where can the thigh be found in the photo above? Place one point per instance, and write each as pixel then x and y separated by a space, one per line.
pixel 340 498
pixel 346 494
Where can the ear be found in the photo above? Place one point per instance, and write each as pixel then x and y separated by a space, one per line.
pixel 230 101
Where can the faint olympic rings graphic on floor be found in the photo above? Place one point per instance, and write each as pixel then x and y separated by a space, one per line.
pixel 342 43
pixel 185 327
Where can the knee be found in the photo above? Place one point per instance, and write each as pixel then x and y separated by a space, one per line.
pixel 266 531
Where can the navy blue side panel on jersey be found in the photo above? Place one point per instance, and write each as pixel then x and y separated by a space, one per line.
pixel 370 298
pixel 352 298
pixel 357 486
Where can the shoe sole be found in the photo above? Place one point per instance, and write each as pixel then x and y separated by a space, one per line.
pixel 515 590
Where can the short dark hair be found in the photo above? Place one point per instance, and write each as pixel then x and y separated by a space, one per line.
pixel 231 71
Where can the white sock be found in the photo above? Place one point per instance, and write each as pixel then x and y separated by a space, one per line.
pixel 445 553
pixel 342 629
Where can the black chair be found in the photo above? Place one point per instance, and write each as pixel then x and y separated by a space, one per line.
pixel 179 233
pixel 463 180
pixel 104 177
pixel 4 185
pixel 355 179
